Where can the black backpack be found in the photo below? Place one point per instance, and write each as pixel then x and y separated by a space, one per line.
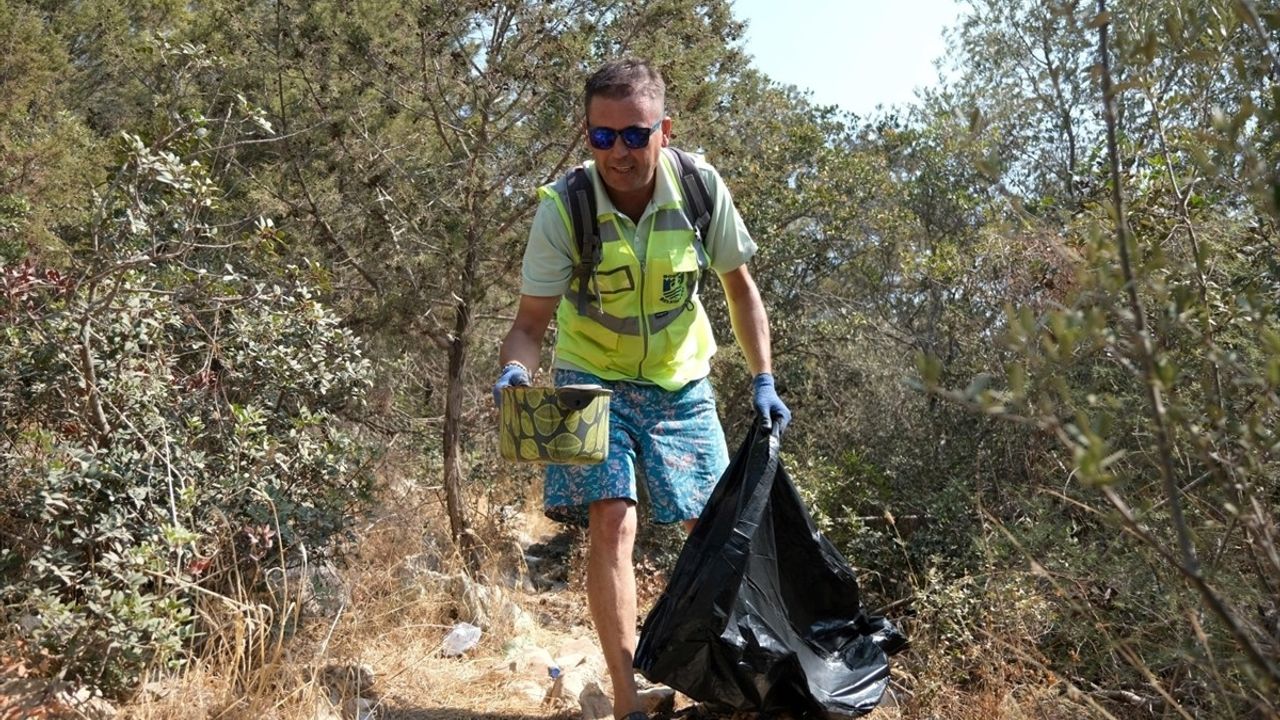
pixel 586 231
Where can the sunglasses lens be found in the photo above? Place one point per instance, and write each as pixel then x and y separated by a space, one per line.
pixel 602 138
pixel 635 137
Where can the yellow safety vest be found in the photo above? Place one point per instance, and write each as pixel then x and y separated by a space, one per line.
pixel 640 320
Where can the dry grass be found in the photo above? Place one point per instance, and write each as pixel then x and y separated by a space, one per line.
pixel 391 626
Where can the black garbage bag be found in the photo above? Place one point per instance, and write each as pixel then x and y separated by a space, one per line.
pixel 762 613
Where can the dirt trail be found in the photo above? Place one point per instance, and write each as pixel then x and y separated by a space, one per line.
pixel 489 683
pixel 532 600
pixel 501 678
pixel 376 652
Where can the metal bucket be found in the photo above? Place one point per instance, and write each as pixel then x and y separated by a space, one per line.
pixel 568 425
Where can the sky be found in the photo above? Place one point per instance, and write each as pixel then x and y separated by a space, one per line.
pixel 851 53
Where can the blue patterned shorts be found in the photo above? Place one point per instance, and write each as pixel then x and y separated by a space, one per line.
pixel 673 440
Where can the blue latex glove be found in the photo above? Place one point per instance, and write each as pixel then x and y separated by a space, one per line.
pixel 769 406
pixel 512 374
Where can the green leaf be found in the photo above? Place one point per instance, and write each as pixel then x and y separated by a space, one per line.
pixel 1017 378
pixel 1150 43
pixel 929 367
pixel 977 385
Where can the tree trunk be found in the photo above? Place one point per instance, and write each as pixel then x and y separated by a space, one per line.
pixel 464 537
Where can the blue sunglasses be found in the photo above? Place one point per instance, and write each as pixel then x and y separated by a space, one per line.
pixel 634 137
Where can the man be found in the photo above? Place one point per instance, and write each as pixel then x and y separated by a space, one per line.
pixel 636 326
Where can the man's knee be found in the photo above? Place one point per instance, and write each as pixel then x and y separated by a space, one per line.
pixel 612 523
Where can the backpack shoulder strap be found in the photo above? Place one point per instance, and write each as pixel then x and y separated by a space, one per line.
pixel 582 212
pixel 586 230
pixel 697 207
pixel 697 199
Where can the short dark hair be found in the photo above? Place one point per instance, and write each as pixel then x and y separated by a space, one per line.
pixel 621 79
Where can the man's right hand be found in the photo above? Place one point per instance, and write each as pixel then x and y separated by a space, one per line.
pixel 513 373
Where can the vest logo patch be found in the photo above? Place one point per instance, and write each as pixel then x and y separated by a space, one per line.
pixel 673 288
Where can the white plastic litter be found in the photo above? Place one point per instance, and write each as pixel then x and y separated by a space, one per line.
pixel 460 639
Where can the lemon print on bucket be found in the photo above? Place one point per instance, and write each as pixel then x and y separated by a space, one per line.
pixel 565 425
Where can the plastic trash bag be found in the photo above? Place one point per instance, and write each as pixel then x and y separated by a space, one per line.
pixel 762 613
pixel 460 639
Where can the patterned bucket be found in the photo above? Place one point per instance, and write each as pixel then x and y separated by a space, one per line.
pixel 568 425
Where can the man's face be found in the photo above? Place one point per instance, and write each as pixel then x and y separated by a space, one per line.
pixel 626 171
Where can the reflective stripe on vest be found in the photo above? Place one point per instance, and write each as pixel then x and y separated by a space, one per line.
pixel 639 321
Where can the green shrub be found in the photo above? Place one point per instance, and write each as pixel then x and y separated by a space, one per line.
pixel 169 428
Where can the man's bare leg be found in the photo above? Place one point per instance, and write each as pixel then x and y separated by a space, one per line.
pixel 611 593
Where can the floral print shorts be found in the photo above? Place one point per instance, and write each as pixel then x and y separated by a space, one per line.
pixel 671 440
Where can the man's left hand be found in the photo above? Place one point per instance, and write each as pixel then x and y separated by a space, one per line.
pixel 769 406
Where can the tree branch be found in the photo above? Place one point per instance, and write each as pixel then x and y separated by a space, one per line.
pixel 1144 346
